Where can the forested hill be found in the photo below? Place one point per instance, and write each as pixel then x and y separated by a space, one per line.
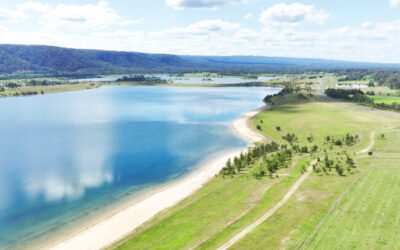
pixel 64 61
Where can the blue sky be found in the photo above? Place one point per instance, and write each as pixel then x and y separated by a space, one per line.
pixel 359 30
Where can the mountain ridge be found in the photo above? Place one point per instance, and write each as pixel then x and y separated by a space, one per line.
pixel 69 61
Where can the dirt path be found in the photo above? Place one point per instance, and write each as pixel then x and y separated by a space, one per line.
pixel 270 212
pixel 367 149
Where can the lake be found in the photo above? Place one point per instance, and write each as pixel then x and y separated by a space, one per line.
pixel 187 80
pixel 66 155
pixel 213 80
pixel 351 86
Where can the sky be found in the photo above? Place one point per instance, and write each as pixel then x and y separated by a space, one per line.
pixel 357 30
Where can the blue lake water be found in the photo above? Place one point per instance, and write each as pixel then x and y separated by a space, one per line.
pixel 352 86
pixel 65 155
pixel 187 80
pixel 213 80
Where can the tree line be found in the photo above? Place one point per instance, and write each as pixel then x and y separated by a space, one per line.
pixel 357 96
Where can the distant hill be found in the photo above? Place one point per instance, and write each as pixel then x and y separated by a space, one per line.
pixel 69 62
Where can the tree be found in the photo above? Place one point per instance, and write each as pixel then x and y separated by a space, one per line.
pixel 371 84
pixel 278 128
pixel 338 142
pixel 314 148
pixel 327 138
pixel 229 167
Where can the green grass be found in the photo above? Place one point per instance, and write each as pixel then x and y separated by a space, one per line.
pixel 368 217
pixel 381 90
pixel 48 89
pixel 290 226
pixel 319 119
pixel 386 99
pixel 354 82
pixel 271 197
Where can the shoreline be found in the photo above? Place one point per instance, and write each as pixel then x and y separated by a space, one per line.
pixel 109 230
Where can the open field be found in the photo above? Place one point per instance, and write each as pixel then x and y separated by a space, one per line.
pixel 381 90
pixel 36 90
pixel 354 82
pixel 290 226
pixel 368 217
pixel 386 99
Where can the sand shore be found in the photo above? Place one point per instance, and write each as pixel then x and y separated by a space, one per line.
pixel 120 224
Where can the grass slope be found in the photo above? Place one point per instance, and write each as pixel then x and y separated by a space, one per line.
pixel 289 227
pixel 368 216
pixel 386 99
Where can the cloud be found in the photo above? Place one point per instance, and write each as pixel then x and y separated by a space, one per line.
pixel 81 17
pixel 293 14
pixel 77 18
pixel 10 15
pixel 394 3
pixel 201 28
pixel 248 15
pixel 33 7
pixel 203 4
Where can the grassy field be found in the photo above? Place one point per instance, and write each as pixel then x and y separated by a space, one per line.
pixel 386 99
pixel 290 226
pixel 354 82
pixel 368 217
pixel 36 90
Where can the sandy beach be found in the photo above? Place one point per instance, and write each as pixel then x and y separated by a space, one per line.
pixel 113 228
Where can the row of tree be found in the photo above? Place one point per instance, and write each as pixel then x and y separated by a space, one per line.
pixel 142 79
pixel 248 158
pixel 356 95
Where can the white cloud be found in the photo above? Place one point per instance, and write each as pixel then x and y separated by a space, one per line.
pixel 203 4
pixel 75 17
pixel 366 25
pixel 248 15
pixel 293 14
pixel 200 28
pixel 33 7
pixel 394 3
pixel 82 17
pixel 10 15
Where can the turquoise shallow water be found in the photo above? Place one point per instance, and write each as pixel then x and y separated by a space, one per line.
pixel 65 155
